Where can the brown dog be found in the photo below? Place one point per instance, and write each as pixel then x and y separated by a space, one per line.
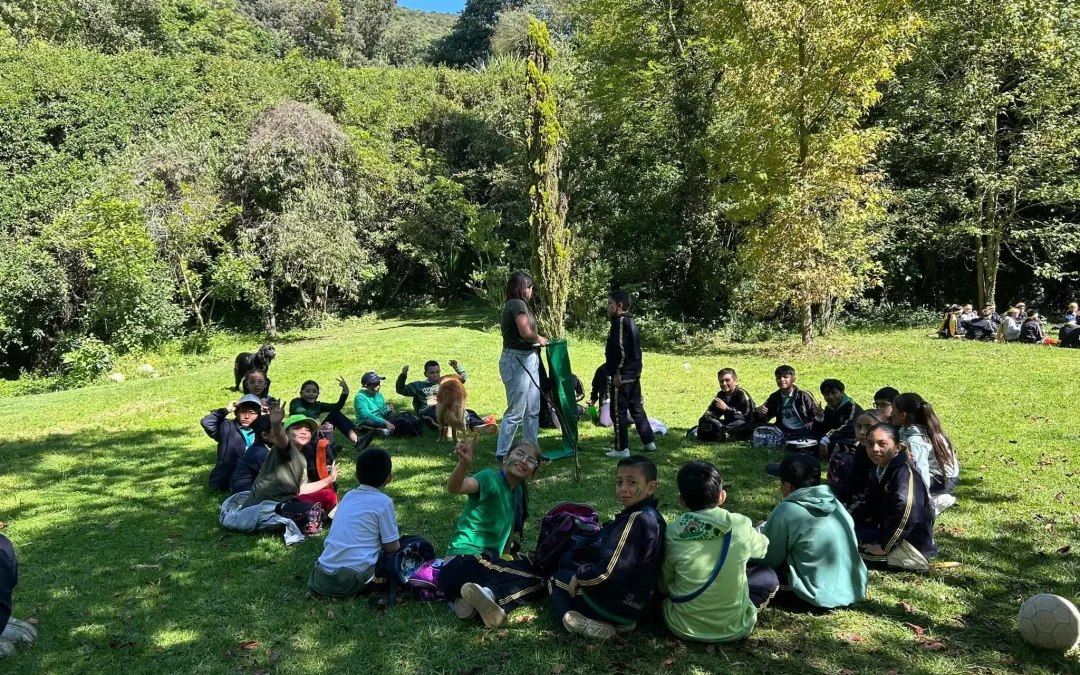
pixel 450 407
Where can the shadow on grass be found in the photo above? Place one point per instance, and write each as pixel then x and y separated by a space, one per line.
pixel 472 317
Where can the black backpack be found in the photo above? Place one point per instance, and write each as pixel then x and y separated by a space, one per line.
pixel 407 425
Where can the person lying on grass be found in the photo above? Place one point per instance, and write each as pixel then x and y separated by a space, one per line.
pixel 233 436
pixel 424 394
pixel 713 594
pixel 364 535
pixel 812 543
pixel 603 586
pixel 837 427
pixel 309 404
pixel 283 475
pixel 730 415
pixel 850 468
pixel 475 573
pixel 894 524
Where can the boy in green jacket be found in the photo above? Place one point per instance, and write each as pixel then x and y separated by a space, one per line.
pixel 371 408
pixel 424 394
pixel 713 594
pixel 812 543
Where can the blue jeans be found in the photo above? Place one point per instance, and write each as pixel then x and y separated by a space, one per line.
pixel 520 374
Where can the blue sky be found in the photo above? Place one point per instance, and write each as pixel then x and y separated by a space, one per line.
pixel 449 6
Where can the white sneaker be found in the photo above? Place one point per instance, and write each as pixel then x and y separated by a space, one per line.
pixel 493 615
pixel 463 609
pixel 7 648
pixel 18 630
pixel 579 624
pixel 942 502
pixel 906 557
pixel 385 432
pixel 619 454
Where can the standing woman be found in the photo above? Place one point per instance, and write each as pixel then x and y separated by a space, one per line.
pixel 519 366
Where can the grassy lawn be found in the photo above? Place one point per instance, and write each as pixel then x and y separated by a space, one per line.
pixel 103 492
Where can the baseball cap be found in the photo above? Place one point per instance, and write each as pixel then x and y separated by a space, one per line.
pixel 302 419
pixel 250 400
pixel 371 377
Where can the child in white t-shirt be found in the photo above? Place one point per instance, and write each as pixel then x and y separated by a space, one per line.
pixel 364 529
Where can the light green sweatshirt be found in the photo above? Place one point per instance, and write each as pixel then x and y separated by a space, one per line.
pixel 723 613
pixel 812 541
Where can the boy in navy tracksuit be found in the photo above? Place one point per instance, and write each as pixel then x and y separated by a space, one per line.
pixel 837 427
pixel 233 437
pixel 603 586
pixel 794 409
pixel 623 366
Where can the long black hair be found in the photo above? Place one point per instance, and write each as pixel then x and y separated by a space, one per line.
pixel 516 285
pixel 923 415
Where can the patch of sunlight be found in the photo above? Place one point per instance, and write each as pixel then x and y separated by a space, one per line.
pixel 173 637
pixel 61 593
pixel 90 631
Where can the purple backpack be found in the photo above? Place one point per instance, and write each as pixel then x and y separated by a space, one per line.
pixel 424 581
pixel 565 525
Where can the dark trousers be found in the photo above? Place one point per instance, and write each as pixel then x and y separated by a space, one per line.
pixel 940 485
pixel 472 419
pixel 9 577
pixel 369 422
pixel 339 422
pixel 763 584
pixel 626 399
pixel 562 602
pixel 512 581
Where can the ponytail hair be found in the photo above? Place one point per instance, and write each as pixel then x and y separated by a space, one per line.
pixel 923 414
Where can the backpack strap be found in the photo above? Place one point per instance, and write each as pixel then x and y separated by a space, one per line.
pixel 712 577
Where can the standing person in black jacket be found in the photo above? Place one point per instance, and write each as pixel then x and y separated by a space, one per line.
pixel 729 415
pixel 837 428
pixel 793 409
pixel 623 366
pixel 608 581
pixel 233 436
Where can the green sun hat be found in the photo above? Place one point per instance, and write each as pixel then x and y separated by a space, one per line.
pixel 302 419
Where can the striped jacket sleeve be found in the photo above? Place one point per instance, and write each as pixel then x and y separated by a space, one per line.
pixel 900 494
pixel 619 554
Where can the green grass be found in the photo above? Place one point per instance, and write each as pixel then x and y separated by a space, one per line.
pixel 103 491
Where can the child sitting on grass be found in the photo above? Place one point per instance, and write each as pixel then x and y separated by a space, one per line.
pixel 850 468
pixel 729 415
pixel 309 404
pixel 474 574
pixel 373 411
pixel 283 475
pixel 837 427
pixel 792 409
pixel 247 467
pixel 233 436
pixel 895 524
pixel 812 543
pixel 884 398
pixel 424 394
pixel 606 584
pixel 1031 332
pixel 363 534
pixel 931 449
pixel 713 595
pixel 257 384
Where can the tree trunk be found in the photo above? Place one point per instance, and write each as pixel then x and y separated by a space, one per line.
pixel 271 312
pixel 807 325
pixel 545 139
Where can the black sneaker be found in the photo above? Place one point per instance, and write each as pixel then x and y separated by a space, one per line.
pixel 364 441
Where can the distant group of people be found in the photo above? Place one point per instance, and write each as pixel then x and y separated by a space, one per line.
pixel 1018 324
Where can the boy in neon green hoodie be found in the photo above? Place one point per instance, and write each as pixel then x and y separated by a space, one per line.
pixel 713 594
pixel 812 543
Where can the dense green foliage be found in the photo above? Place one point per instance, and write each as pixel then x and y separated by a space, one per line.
pixel 170 166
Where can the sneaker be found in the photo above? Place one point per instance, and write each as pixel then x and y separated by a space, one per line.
pixel 619 454
pixel 463 609
pixel 363 441
pixel 651 447
pixel 622 629
pixel 18 630
pixel 691 434
pixel 906 557
pixel 490 612
pixel 579 624
pixel 7 648
pixel 385 432
pixel 486 428
pixel 942 502
pixel 490 419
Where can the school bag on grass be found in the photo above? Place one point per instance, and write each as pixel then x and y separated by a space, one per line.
pixel 562 527
pixel 768 437
pixel 407 425
pixel 412 567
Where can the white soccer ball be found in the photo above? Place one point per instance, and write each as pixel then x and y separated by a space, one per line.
pixel 1050 621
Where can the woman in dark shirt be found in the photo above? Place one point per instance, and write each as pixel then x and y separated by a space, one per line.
pixel 519 365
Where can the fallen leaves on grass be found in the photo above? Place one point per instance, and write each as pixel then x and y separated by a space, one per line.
pixel 1064 549
pixel 906 607
pixel 249 645
pixel 711 649
pixel 932 645
pixel 667 663
pixel 558 669
pixel 329 614
pixel 847 671
pixel 1008 660
pixel 523 619
pixel 919 630
pixel 548 633
pixel 851 637
pixel 31 620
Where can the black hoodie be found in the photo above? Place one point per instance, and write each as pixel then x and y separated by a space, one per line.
pixel 623 564
pixel 623 349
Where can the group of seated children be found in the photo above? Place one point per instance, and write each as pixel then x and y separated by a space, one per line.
pixel 707 575
pixel 1018 324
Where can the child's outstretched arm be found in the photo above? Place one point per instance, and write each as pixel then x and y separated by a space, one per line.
pixel 212 422
pixel 400 387
pixel 456 365
pixel 459 483
pixel 336 407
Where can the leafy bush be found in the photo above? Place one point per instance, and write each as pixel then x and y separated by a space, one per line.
pixel 87 359
pixel 867 315
pixel 33 305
